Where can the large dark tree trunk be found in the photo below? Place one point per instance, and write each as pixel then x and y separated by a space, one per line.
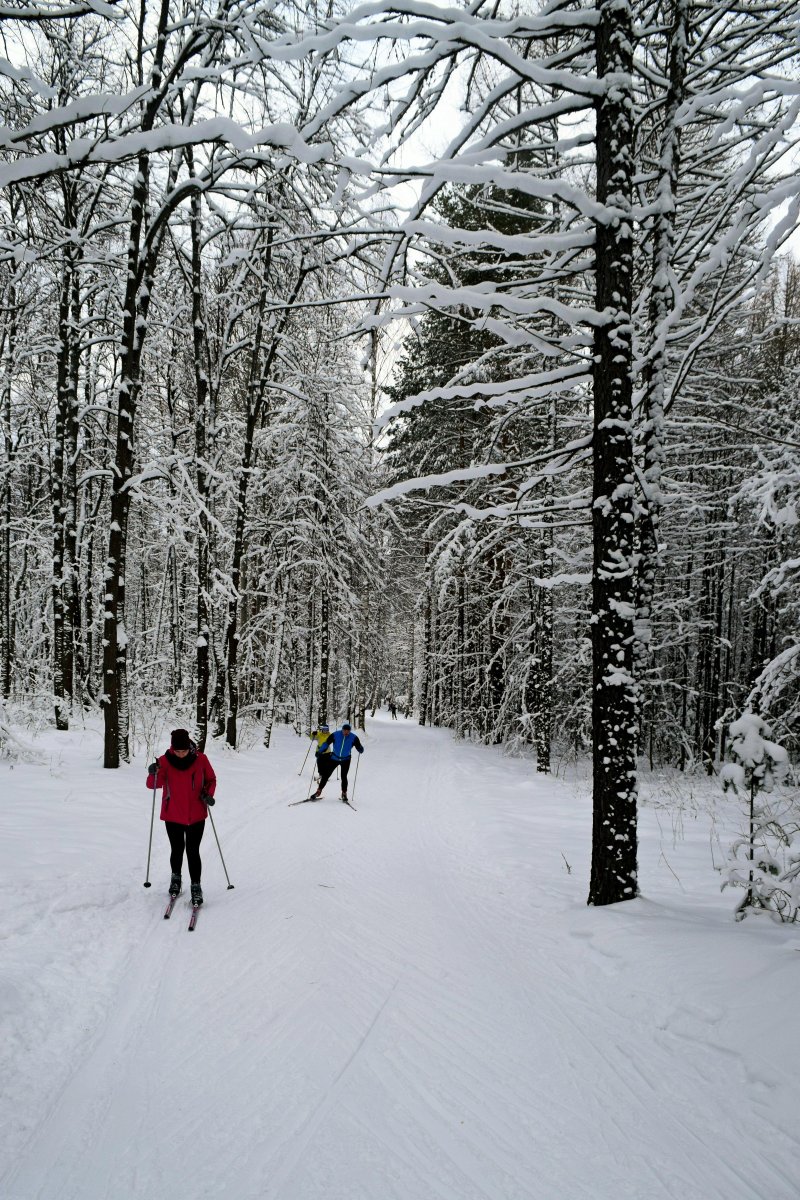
pixel 138 290
pixel 614 708
pixel 201 422
pixel 114 636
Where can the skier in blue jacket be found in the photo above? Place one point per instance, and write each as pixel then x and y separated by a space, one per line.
pixel 341 744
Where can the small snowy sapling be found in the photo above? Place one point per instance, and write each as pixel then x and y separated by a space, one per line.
pixel 770 882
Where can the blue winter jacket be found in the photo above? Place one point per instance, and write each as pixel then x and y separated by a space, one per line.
pixel 342 744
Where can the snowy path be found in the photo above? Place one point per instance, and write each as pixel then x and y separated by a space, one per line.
pixel 408 1002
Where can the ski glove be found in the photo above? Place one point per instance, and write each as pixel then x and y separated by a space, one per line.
pixel 152 769
pixel 209 800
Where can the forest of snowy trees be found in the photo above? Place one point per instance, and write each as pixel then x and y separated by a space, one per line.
pixel 442 354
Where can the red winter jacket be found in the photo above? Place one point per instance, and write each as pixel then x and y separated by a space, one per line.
pixel 183 789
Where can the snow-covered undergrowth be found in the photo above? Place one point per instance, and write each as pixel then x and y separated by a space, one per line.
pixel 407 1002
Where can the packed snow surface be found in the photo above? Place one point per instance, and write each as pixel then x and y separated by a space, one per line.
pixel 407 1002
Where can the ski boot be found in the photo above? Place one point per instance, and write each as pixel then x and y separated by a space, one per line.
pixel 344 798
pixel 197 895
pixel 175 885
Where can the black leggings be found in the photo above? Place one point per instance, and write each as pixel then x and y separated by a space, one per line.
pixel 190 837
pixel 327 764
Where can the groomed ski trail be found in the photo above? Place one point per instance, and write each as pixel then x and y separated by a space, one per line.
pixel 410 1004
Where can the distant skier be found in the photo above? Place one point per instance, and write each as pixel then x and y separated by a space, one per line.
pixel 393 710
pixel 341 744
pixel 188 783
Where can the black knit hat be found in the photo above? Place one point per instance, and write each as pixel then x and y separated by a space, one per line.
pixel 181 740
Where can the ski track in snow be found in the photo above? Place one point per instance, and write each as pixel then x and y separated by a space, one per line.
pixel 409 1002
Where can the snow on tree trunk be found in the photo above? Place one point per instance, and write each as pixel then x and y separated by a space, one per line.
pixel 613 873
pixel 133 326
pixel 57 492
pixel 541 671
pixel 201 415
pixel 6 374
pixel 74 667
pixel 324 655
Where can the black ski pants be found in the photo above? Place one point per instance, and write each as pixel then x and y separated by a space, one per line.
pixel 327 764
pixel 186 837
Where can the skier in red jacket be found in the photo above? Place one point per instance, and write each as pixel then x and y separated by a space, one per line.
pixel 188 783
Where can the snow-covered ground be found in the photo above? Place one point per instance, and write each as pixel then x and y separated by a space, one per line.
pixel 407 1002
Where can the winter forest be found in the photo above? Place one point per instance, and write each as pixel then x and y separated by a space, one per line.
pixel 446 355
pixel 430 367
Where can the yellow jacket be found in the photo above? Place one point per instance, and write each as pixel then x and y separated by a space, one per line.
pixel 320 735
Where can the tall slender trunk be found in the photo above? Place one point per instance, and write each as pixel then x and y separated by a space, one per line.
pixel 496 676
pixel 461 716
pixel 613 873
pixel 426 649
pixel 324 654
pixel 201 420
pixel 542 676
pixel 655 375
pixel 425 668
pixel 176 623
pixel 277 651
pixel 258 378
pixel 543 666
pixel 232 629
pixel 73 657
pixel 114 636
pixel 6 624
pixel 311 665
pixel 138 290
pixel 92 498
pixel 360 709
pixel 410 697
pixel 60 700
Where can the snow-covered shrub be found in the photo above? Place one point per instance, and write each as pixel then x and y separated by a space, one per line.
pixel 765 861
pixel 12 746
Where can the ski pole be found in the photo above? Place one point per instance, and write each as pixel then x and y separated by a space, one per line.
pixel 314 781
pixel 150 843
pixel 225 869
pixel 355 777
pixel 305 760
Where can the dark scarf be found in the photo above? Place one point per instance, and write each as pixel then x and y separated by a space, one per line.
pixel 182 764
